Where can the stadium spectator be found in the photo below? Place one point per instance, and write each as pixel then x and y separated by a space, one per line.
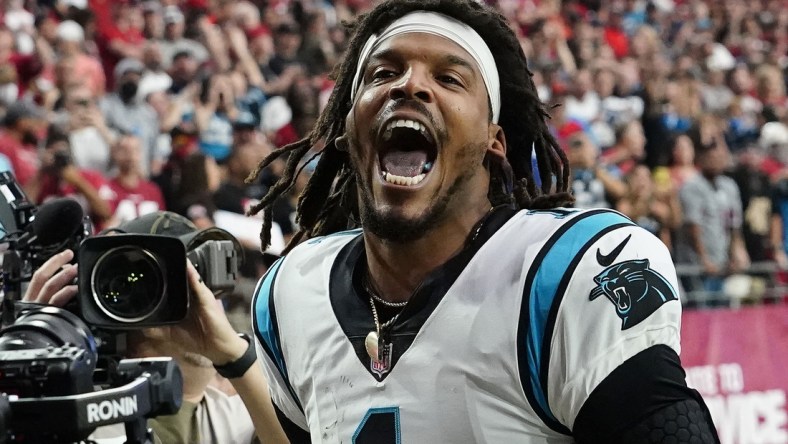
pixel 715 94
pixel 125 113
pixel 19 136
pixel 183 71
pixel 711 234
pixel 652 204
pixel 134 195
pixel 154 77
pixel 70 41
pixel 193 191
pixel 628 150
pixel 682 164
pixel 287 42
pixel 174 42
pixel 9 90
pixel 89 136
pixel 119 27
pixel 592 184
pixel 153 27
pixel 756 196
pixel 234 194
pixel 214 113
pixel 778 229
pixel 59 177
pixel 583 102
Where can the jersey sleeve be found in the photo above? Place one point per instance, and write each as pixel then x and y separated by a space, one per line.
pixel 617 298
pixel 269 348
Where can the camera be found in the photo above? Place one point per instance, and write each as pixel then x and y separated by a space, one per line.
pixel 48 357
pixel 139 280
pixel 132 281
pixel 52 360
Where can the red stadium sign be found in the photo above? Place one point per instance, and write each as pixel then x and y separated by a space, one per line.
pixel 738 361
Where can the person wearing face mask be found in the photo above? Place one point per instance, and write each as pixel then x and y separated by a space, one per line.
pixel 127 114
pixel 21 126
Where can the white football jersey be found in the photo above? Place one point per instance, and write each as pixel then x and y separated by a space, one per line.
pixel 502 344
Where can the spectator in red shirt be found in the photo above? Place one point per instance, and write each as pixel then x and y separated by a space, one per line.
pixel 121 37
pixel 59 177
pixel 615 36
pixel 21 127
pixel 70 42
pixel 134 195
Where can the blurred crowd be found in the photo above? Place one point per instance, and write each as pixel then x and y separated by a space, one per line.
pixel 673 112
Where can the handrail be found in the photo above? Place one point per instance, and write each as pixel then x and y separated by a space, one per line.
pixel 762 282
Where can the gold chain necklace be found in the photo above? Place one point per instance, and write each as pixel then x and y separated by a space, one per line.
pixel 378 299
pixel 374 342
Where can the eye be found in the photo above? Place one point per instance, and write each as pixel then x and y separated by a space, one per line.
pixel 383 73
pixel 449 79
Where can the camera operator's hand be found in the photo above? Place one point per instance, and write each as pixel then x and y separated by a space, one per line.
pixel 51 283
pixel 206 330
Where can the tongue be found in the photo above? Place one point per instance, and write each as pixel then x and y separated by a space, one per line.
pixel 404 163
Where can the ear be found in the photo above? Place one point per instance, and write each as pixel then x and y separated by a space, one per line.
pixel 496 143
pixel 341 143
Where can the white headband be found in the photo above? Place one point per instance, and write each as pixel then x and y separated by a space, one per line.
pixel 449 28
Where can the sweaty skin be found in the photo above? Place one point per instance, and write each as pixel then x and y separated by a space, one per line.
pixel 433 81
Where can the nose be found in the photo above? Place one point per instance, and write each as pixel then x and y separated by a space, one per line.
pixel 413 84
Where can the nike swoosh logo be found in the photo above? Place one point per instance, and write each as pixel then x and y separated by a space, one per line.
pixel 606 260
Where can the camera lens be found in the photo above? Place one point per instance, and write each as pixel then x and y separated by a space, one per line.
pixel 128 283
pixel 44 327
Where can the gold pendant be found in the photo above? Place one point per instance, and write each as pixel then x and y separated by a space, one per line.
pixel 371 344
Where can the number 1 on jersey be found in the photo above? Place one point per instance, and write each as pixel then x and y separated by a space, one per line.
pixel 379 426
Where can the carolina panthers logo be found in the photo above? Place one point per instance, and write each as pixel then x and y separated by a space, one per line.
pixel 634 289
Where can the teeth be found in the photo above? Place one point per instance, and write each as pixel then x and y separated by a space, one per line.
pixel 405 123
pixel 402 180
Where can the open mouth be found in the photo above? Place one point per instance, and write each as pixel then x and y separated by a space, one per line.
pixel 408 151
pixel 623 299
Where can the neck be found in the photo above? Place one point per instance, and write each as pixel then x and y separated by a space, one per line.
pixel 397 269
pixel 128 179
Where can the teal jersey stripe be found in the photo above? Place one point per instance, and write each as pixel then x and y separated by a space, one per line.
pixel 558 256
pixel 266 327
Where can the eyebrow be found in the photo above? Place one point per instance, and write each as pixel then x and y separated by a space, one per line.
pixel 448 59
pixel 452 59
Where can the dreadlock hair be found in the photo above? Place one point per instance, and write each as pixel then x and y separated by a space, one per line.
pixel 328 203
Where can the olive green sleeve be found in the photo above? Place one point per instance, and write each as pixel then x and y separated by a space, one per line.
pixel 178 428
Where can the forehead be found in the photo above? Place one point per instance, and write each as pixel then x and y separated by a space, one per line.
pixel 424 47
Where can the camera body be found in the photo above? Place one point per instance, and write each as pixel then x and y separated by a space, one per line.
pixel 52 371
pixel 129 281
pixel 217 262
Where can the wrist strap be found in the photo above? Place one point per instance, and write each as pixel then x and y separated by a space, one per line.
pixel 237 368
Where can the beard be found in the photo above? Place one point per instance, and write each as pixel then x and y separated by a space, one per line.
pixel 398 229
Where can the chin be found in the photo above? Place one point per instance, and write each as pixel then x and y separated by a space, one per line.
pixel 394 226
pixel 404 223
